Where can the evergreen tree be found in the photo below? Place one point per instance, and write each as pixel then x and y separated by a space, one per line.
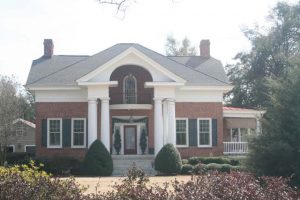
pixel 276 151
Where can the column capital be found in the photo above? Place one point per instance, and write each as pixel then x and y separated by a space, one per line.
pixel 170 100
pixel 158 99
pixel 104 99
pixel 92 100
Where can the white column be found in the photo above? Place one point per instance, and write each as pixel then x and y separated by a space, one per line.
pixel 158 125
pixel 258 128
pixel 172 122
pixel 92 121
pixel 105 135
pixel 166 121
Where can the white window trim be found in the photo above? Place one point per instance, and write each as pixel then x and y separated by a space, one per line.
pixel 28 146
pixel 72 134
pixel 48 133
pixel 210 132
pixel 187 132
pixel 135 82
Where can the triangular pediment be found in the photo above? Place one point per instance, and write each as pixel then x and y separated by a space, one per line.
pixel 131 56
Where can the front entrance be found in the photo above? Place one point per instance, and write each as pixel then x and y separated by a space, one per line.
pixel 130 140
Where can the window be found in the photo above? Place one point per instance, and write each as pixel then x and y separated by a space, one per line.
pixel 182 132
pixel 129 90
pixel 54 133
pixel 78 133
pixel 10 148
pixel 240 134
pixel 20 131
pixel 204 133
pixel 30 149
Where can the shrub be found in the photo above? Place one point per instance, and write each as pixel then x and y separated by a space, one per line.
pixel 200 168
pixel 60 165
pixel 185 161
pixel 213 166
pixel 18 158
pixel 187 169
pixel 117 143
pixel 143 141
pixel 98 161
pixel 194 160
pixel 29 182
pixel 225 168
pixel 168 160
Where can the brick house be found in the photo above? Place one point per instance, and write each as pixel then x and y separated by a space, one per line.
pixel 131 89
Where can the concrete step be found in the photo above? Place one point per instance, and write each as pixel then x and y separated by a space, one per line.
pixel 122 163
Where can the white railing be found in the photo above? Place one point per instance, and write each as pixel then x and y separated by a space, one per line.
pixel 235 147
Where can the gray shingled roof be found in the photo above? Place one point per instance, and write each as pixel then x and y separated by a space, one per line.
pixel 65 70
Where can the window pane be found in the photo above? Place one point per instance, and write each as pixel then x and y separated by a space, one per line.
pixel 54 138
pixel 181 132
pixel 79 126
pixel 181 139
pixel 234 135
pixel 129 90
pixel 204 139
pixel 78 139
pixel 204 132
pixel 54 125
pixel 244 134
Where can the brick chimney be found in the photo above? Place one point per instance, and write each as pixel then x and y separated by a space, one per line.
pixel 48 48
pixel 205 48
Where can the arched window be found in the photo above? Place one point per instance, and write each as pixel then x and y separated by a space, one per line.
pixel 129 90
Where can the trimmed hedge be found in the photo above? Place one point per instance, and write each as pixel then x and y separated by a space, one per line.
pixel 98 161
pixel 18 158
pixel 187 169
pixel 60 165
pixel 217 160
pixel 168 160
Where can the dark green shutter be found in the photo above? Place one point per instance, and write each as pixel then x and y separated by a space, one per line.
pixel 87 133
pixel 44 133
pixel 66 132
pixel 193 132
pixel 214 132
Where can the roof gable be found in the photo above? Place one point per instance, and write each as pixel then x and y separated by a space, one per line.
pixel 66 70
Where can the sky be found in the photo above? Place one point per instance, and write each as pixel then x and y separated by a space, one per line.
pixel 85 27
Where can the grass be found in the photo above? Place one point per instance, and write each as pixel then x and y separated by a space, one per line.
pixel 104 184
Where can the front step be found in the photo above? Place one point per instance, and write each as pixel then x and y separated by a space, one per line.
pixel 122 163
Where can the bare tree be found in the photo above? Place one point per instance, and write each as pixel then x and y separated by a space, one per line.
pixel 11 108
pixel 121 5
pixel 176 48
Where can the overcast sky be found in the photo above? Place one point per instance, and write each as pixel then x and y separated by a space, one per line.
pixel 84 27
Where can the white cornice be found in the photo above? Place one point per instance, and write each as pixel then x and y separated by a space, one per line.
pixel 154 84
pixel 109 83
pixel 208 88
pixel 243 113
pixel 52 88
pixel 131 107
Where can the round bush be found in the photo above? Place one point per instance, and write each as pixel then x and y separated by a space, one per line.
pixel 98 161
pixel 187 169
pixel 200 168
pixel 168 160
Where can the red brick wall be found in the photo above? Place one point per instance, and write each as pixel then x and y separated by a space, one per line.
pixel 61 110
pixel 194 110
pixel 144 95
pixel 189 110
